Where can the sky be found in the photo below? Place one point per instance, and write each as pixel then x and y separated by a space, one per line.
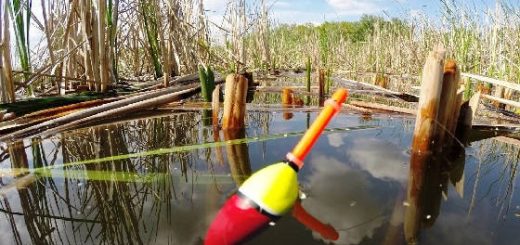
pixel 319 11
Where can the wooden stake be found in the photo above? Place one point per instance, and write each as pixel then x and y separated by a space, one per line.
pixel 234 101
pixel 287 96
pixel 429 101
pixel 287 101
pixel 381 80
pixel 215 105
pixel 499 93
pixel 447 101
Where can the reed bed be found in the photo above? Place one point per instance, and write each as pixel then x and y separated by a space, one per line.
pixel 101 42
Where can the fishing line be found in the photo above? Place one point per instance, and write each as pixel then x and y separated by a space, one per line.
pixel 163 151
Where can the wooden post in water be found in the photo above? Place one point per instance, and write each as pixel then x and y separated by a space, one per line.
pixel 429 100
pixel 320 75
pixel 238 156
pixel 215 105
pixel 233 125
pixel 381 80
pixel 234 102
pixel 287 96
pixel 424 135
pixel 448 104
pixel 287 101
pixel 499 93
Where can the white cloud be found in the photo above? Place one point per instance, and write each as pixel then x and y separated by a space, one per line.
pixel 382 159
pixel 335 140
pixel 298 17
pixel 215 5
pixel 355 7
pixel 344 198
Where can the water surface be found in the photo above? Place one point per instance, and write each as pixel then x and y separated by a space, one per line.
pixel 161 181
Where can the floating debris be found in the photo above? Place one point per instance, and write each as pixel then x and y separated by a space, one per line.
pixel 428 216
pixel 406 204
pixel 352 204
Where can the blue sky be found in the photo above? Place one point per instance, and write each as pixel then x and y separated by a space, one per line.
pixel 318 11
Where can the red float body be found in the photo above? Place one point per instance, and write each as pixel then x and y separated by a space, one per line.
pixel 236 221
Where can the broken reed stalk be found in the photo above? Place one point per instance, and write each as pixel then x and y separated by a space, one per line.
pixel 308 80
pixel 6 74
pixel 320 76
pixel 215 106
pixel 328 81
pixel 429 100
pixel 151 102
pixel 96 110
pixel 447 103
pixel 103 46
pixel 234 101
pixel 149 13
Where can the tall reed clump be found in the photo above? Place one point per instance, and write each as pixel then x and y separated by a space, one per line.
pixel 483 41
pixel 7 94
pixel 149 12
pixel 21 15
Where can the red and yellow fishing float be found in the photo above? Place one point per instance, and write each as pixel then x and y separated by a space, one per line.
pixel 270 192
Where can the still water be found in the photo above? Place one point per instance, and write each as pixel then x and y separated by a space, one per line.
pixel 161 180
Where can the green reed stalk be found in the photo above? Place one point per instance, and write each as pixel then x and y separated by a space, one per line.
pixel 21 31
pixel 149 12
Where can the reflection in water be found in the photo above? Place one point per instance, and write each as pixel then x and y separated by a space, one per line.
pixel 428 181
pixel 238 156
pixel 345 199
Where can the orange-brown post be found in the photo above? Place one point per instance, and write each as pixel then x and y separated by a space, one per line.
pixel 447 103
pixel 215 105
pixel 287 101
pixel 287 96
